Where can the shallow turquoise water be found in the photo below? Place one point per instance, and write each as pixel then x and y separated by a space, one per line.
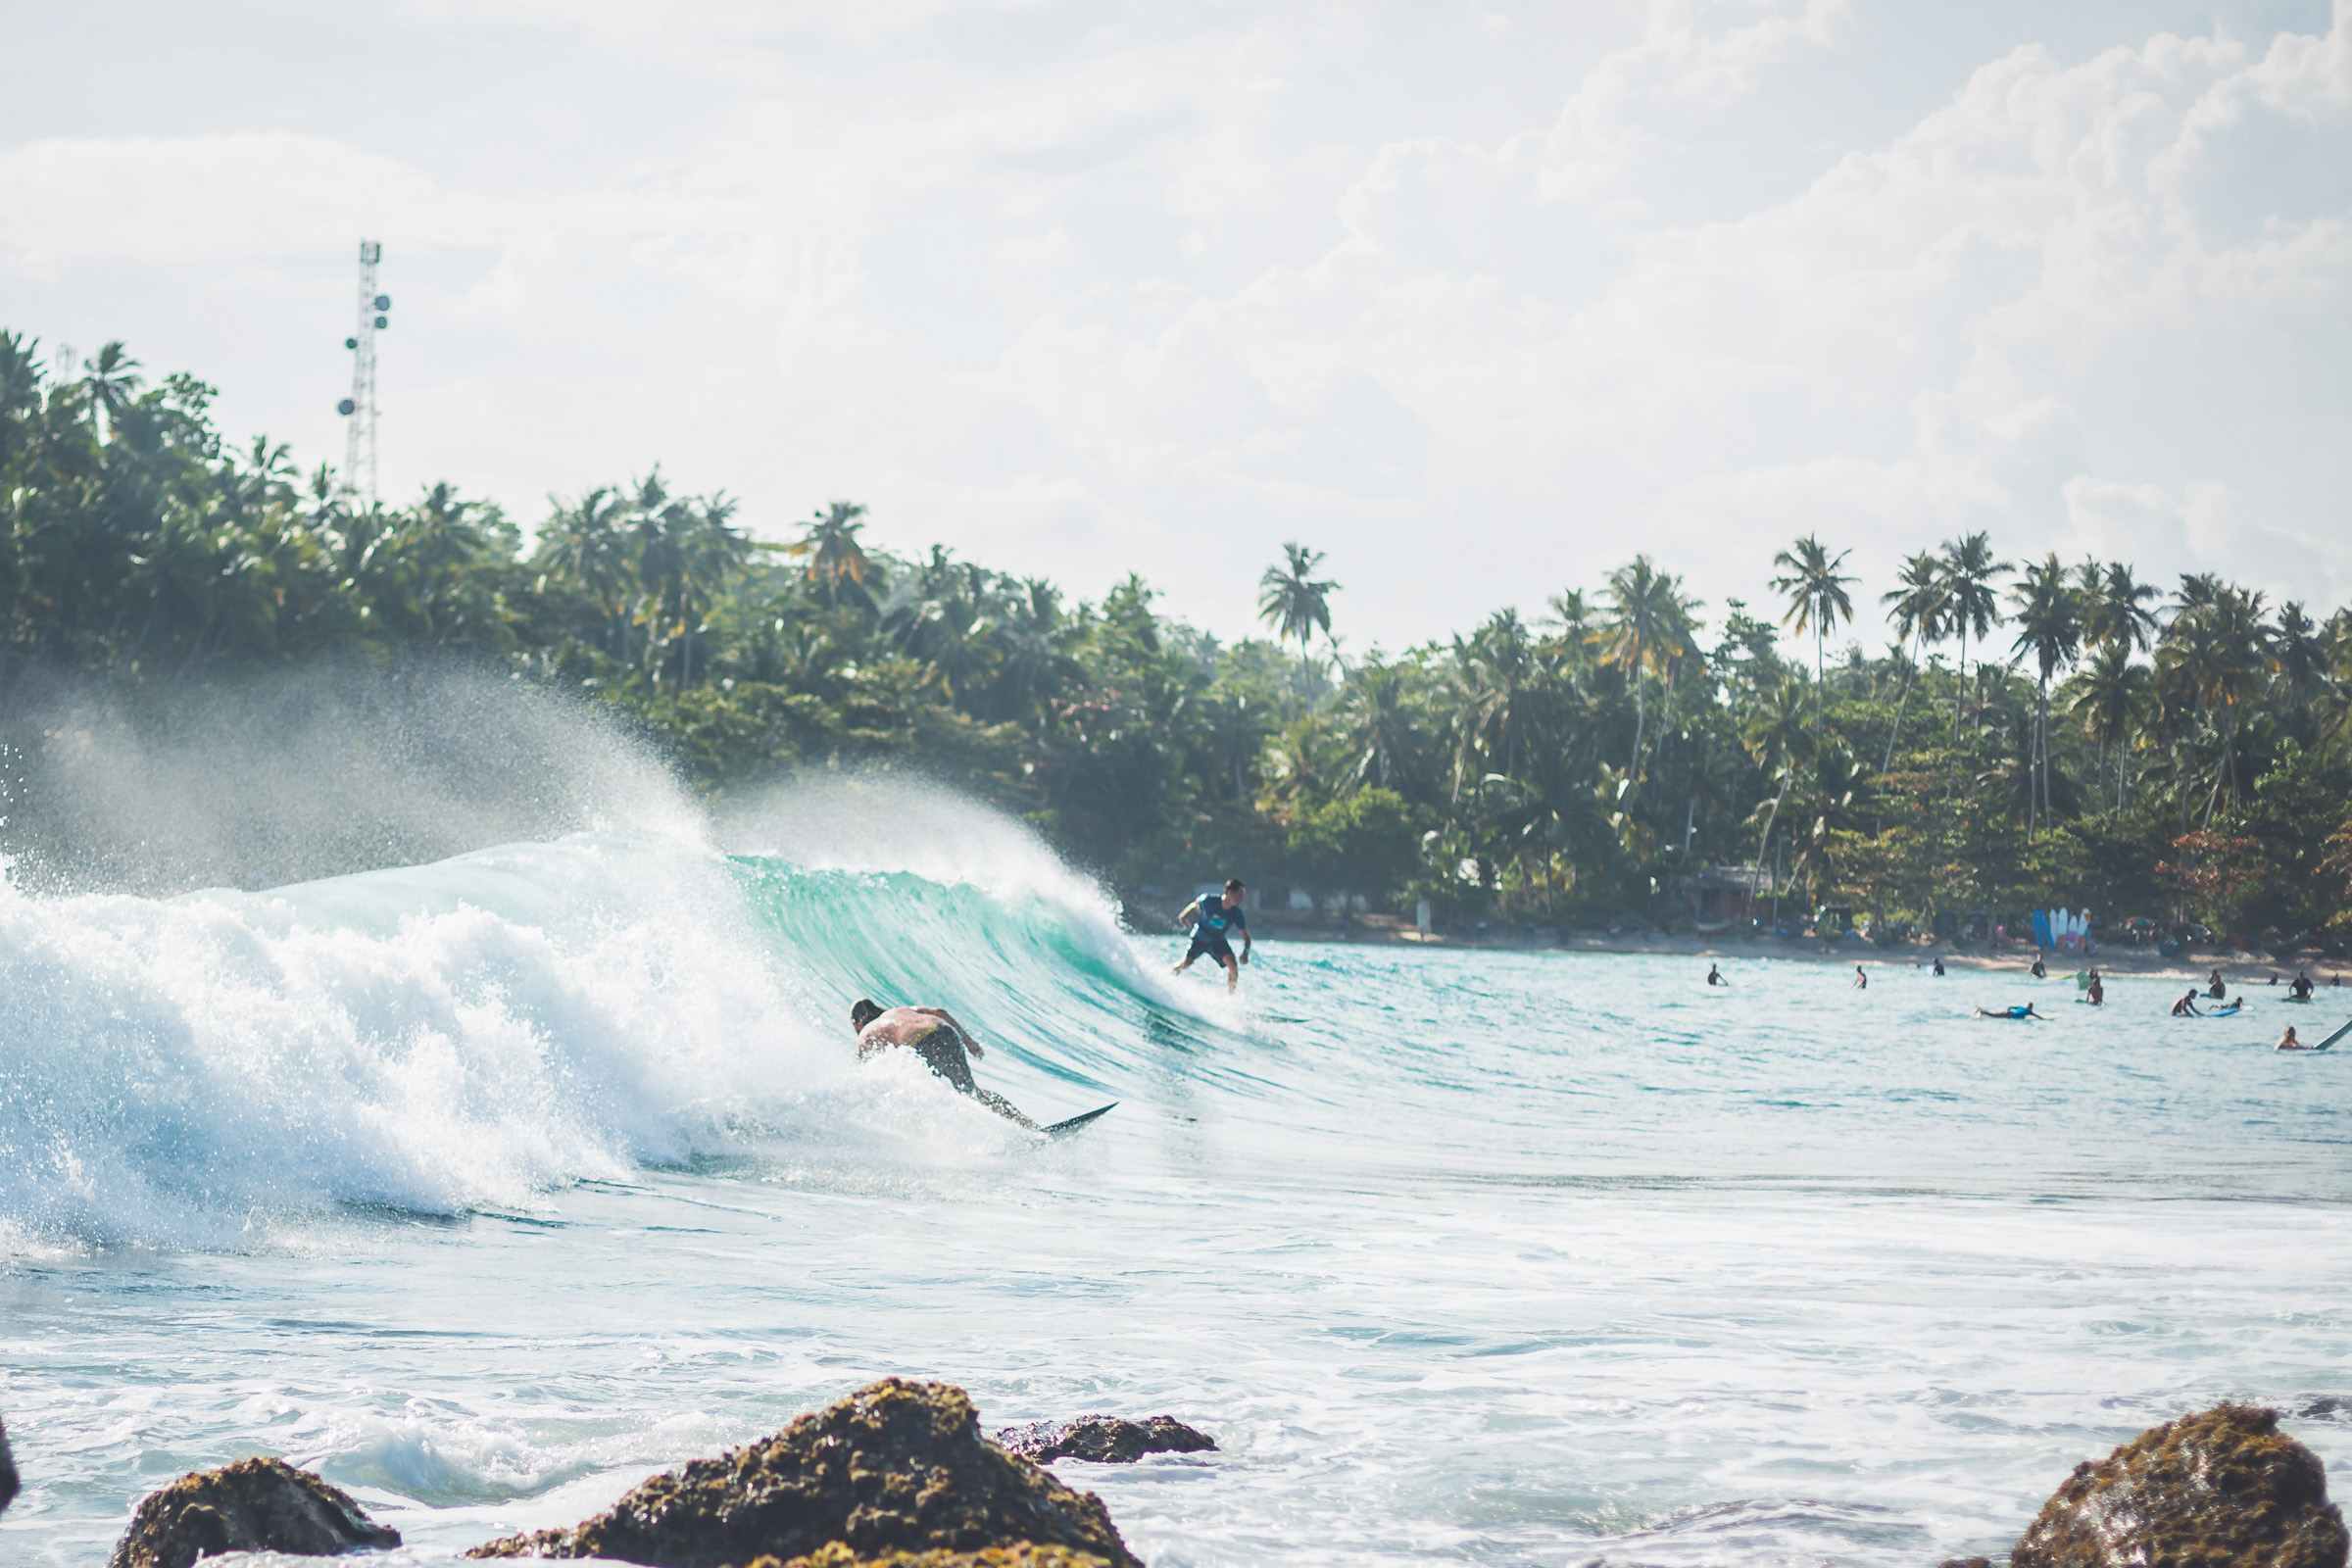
pixel 492 1187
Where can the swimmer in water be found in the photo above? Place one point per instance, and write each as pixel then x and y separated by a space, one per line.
pixel 1861 980
pixel 2302 988
pixel 2096 991
pixel 1715 976
pixel 2288 1041
pixel 2041 970
pixel 2214 987
pixel 1938 970
pixel 933 1034
pixel 2020 1012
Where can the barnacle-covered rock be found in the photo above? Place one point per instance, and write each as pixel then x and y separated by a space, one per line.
pixel 898 1467
pixel 2222 1488
pixel 1102 1439
pixel 252 1505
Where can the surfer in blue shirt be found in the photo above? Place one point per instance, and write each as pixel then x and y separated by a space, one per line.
pixel 1211 919
pixel 2019 1013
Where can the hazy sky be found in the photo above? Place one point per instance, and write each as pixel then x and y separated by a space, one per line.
pixel 1481 299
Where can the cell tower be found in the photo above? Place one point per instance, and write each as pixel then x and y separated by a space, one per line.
pixel 359 442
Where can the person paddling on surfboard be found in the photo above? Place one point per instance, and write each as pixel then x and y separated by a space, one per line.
pixel 2288 1041
pixel 2017 1013
pixel 1211 920
pixel 933 1034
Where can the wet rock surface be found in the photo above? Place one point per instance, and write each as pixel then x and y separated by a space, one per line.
pixel 252 1505
pixel 8 1471
pixel 2223 1487
pixel 898 1467
pixel 1020 1555
pixel 1103 1439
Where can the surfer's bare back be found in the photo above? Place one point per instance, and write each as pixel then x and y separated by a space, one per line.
pixel 935 1035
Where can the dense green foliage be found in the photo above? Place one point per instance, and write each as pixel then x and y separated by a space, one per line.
pixel 2093 741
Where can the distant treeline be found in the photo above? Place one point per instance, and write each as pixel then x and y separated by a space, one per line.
pixel 2181 753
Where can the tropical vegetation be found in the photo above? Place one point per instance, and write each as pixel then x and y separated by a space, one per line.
pixel 2180 753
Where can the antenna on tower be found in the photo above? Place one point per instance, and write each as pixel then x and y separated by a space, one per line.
pixel 358 441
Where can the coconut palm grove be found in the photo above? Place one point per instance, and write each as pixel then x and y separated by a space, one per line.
pixel 2174 758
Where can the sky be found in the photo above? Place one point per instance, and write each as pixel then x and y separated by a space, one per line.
pixel 1480 300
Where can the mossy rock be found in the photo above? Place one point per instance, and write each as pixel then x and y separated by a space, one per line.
pixel 2222 1488
pixel 898 1467
pixel 1103 1439
pixel 1020 1555
pixel 252 1505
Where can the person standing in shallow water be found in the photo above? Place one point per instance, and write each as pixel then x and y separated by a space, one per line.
pixel 1861 980
pixel 1715 976
pixel 1211 919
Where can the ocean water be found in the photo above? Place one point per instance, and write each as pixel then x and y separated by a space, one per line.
pixel 490 1187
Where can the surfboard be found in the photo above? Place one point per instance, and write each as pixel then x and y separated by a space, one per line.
pixel 2334 1037
pixel 1061 1129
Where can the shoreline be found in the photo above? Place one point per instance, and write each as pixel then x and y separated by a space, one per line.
pixel 2241 969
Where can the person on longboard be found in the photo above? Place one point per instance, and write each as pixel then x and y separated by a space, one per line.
pixel 2187 1006
pixel 1210 919
pixel 2301 988
pixel 933 1034
pixel 2288 1041
pixel 2015 1014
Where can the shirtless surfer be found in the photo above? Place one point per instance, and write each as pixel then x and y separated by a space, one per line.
pixel 1715 976
pixel 2095 993
pixel 2214 987
pixel 1861 980
pixel 2288 1041
pixel 2187 1006
pixel 933 1034
pixel 1210 919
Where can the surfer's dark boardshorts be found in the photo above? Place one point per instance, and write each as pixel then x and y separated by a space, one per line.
pixel 943 1049
pixel 1216 947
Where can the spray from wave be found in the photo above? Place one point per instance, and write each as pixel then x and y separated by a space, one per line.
pixel 475 1032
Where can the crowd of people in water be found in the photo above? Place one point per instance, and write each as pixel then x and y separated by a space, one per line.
pixel 2093 987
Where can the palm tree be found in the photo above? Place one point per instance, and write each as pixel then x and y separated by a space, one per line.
pixel 1291 600
pixel 1648 632
pixel 2115 608
pixel 1916 607
pixel 1969 605
pixel 1775 736
pixel 2050 622
pixel 833 551
pixel 2217 652
pixel 1817 598
pixel 2109 696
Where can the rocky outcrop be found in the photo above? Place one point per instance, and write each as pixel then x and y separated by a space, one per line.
pixel 252 1505
pixel 1102 1439
pixel 1020 1555
pixel 2222 1488
pixel 898 1467
pixel 8 1471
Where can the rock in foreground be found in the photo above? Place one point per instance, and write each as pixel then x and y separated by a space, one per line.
pixel 252 1505
pixel 1020 1555
pixel 8 1471
pixel 897 1467
pixel 1102 1439
pixel 2222 1488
